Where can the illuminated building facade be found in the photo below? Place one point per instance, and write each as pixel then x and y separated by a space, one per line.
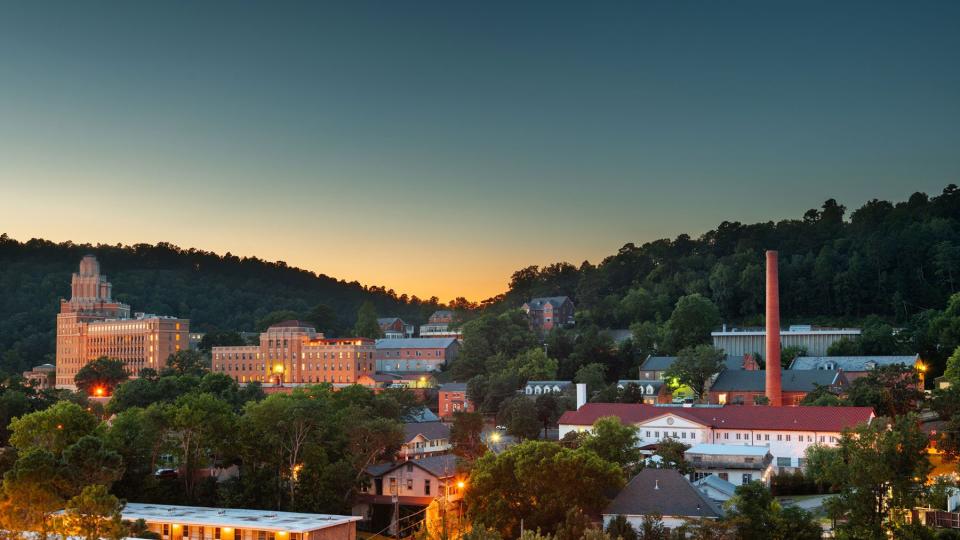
pixel 293 352
pixel 91 325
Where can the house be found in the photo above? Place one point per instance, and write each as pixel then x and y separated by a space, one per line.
pixel 415 354
pixel 193 523
pixel 395 328
pixel 854 367
pixel 786 432
pixel 744 387
pixel 422 439
pixel 41 377
pixel 655 367
pixel 411 380
pixel 438 325
pixel 547 313
pixel 653 391
pixel 660 491
pixel 536 388
pixel 452 397
pixel 737 464
pixel 718 490
pixel 420 414
pixel 414 483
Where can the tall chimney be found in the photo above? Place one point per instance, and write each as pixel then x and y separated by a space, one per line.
pixel 581 395
pixel 774 394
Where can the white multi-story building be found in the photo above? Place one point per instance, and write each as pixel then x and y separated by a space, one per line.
pixel 786 432
pixel 815 340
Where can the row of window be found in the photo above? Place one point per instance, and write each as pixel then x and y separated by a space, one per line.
pixel 746 436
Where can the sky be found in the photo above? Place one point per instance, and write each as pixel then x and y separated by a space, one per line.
pixel 436 147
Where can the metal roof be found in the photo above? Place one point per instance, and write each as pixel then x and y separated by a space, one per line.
pixel 727 450
pixel 240 518
pixel 791 380
pixel 851 363
pixel 415 343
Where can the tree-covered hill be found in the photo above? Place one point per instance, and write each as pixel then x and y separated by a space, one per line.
pixel 892 260
pixel 215 292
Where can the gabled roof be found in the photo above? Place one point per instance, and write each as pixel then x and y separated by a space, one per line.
pixel 851 363
pixel 430 430
pixel 420 415
pixel 549 383
pixel 441 465
pixel 828 419
pixel 388 320
pixel 662 363
pixel 717 483
pixel 416 343
pixel 755 381
pixel 555 301
pixel 662 491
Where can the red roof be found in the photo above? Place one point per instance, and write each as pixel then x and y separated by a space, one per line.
pixel 729 417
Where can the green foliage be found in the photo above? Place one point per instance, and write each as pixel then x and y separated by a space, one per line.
pixel 890 390
pixel 186 362
pixel 671 454
pixel 620 527
pixel 691 322
pixel 538 482
pixel 880 471
pixel 519 415
pixel 367 325
pixel 465 435
pixel 952 372
pixel 105 373
pixel 695 366
pixel 532 364
pixel 52 429
pixel 490 336
pixel 592 375
pixel 758 516
pixel 550 407
pixel 94 514
pixel 788 354
pixel 614 441
pixel 30 492
pixel 216 292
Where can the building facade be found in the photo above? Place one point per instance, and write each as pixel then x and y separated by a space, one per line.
pixel 292 352
pixel 816 341
pixel 415 354
pixel 451 398
pixel 786 432
pixel 395 328
pixel 438 325
pixel 737 464
pixel 90 325
pixel 549 312
pixel 423 439
pixel 200 523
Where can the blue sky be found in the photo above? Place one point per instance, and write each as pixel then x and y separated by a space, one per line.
pixel 435 147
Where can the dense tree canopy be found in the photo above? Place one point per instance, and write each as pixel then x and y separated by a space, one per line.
pixel 218 293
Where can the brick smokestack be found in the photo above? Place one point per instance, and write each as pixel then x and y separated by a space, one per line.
pixel 774 393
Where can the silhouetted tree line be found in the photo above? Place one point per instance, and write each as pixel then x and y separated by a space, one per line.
pixel 217 293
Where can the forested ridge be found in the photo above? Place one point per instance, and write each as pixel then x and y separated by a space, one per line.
pixel 892 260
pixel 217 293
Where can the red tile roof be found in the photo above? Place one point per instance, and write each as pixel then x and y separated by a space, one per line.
pixel 729 417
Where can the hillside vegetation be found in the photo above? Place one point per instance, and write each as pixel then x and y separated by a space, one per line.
pixel 215 292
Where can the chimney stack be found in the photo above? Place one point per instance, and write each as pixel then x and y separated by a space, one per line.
pixel 773 391
pixel 581 395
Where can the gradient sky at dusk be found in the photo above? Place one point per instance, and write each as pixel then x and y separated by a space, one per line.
pixel 436 147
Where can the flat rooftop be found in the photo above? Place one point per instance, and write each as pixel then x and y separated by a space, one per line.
pixel 238 518
pixel 727 450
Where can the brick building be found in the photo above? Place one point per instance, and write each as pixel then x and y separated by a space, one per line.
pixel 293 352
pixel 452 397
pixel 547 313
pixel 415 354
pixel 91 325
pixel 740 387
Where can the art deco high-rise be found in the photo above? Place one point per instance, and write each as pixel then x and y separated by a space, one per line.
pixel 91 324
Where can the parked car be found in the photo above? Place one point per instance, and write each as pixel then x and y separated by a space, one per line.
pixel 166 474
pixel 501 428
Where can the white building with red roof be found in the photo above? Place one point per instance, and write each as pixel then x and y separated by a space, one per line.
pixel 786 431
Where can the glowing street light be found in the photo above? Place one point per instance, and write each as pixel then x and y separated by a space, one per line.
pixel 99 391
